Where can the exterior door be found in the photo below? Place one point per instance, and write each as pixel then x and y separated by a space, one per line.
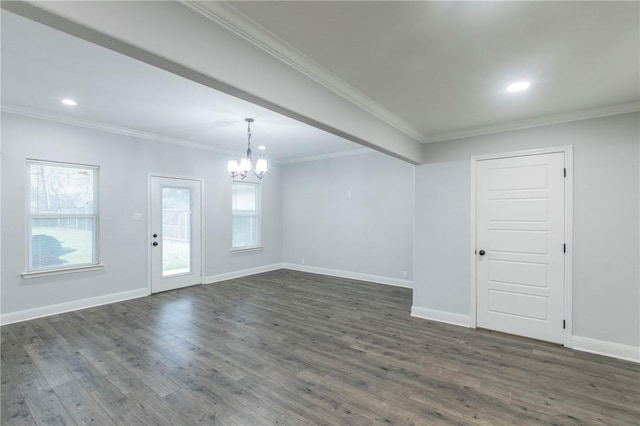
pixel 520 245
pixel 176 249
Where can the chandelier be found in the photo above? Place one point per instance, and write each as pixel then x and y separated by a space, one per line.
pixel 242 167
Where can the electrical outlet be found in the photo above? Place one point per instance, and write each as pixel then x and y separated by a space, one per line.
pixel 302 260
pixel 404 274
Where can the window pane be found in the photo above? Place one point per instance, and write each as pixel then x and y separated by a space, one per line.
pixel 61 190
pixel 62 242
pixel 244 231
pixel 245 203
pixel 176 230
pixel 244 198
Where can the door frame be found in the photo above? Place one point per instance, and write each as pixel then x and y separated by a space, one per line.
pixel 151 175
pixel 568 230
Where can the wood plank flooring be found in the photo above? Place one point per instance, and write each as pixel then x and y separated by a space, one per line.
pixel 290 348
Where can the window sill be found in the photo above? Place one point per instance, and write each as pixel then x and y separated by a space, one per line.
pixel 51 272
pixel 246 249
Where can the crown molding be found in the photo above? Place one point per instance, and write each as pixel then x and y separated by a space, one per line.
pixel 545 120
pixel 230 18
pixel 95 125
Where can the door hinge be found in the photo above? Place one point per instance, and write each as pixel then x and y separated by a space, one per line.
pixel 565 172
pixel 564 248
pixel 564 324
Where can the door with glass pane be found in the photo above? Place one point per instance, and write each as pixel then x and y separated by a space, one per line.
pixel 175 240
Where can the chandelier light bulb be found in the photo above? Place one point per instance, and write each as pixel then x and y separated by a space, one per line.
pixel 261 166
pixel 245 165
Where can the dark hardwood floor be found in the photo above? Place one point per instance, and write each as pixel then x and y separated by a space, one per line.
pixel 292 348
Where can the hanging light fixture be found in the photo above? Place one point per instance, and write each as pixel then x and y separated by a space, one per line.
pixel 242 167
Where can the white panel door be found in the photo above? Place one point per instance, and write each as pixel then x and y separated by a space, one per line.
pixel 520 245
pixel 176 259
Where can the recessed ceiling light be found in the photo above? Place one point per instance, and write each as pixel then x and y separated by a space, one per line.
pixel 262 147
pixel 69 102
pixel 519 86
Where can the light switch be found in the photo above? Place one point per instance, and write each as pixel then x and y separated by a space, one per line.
pixel 137 216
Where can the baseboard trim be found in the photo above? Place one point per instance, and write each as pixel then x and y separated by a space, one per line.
pixel 397 282
pixel 76 305
pixel 441 316
pixel 211 279
pixel 602 347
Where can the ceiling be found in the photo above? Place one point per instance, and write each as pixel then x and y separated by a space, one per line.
pixel 41 66
pixel 442 68
pixel 434 70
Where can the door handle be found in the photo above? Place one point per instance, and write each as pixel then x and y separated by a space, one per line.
pixel 155 243
pixel 481 252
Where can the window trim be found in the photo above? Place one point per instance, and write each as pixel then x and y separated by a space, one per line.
pixel 37 273
pixel 247 248
pixel 258 215
pixel 62 269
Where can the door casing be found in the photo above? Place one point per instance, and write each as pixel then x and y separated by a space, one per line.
pixel 151 175
pixel 568 220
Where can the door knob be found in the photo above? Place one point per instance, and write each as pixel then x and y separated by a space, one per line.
pixel 481 252
pixel 155 243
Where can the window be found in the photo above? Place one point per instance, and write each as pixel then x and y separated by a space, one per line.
pixel 62 216
pixel 245 213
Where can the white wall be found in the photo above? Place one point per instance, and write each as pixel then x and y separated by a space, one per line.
pixel 124 163
pixel 442 238
pixel 352 214
pixel 606 277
